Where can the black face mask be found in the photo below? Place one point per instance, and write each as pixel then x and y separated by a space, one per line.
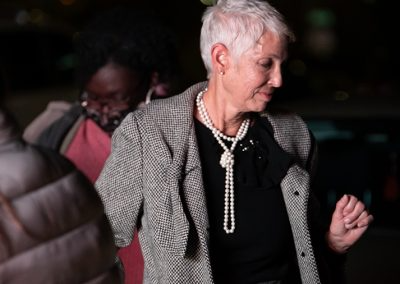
pixel 110 123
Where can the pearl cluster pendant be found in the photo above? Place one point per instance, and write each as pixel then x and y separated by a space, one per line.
pixel 227 160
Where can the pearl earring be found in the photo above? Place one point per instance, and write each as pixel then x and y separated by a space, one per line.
pixel 221 72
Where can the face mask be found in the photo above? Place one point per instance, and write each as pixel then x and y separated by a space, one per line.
pixel 107 122
pixel 108 114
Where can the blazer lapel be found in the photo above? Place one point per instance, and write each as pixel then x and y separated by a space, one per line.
pixel 193 187
pixel 194 190
pixel 295 189
pixel 184 176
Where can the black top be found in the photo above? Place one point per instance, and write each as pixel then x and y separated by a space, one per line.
pixel 261 247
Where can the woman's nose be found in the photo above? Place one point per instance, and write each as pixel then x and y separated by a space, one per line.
pixel 276 78
pixel 104 113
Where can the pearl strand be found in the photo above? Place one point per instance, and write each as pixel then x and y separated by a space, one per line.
pixel 227 160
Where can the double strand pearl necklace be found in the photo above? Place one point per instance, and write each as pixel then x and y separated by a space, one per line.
pixel 226 161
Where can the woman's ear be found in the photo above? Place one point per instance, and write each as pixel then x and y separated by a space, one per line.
pixel 158 88
pixel 220 58
pixel 155 78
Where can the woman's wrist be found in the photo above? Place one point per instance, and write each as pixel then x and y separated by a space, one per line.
pixel 335 244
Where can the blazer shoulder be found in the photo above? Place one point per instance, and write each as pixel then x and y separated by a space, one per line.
pixel 286 121
pixel 292 134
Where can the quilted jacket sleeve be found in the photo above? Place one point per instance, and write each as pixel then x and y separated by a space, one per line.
pixel 52 225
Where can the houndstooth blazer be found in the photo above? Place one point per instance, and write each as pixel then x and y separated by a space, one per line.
pixel 153 181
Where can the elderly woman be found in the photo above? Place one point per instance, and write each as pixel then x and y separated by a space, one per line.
pixel 218 187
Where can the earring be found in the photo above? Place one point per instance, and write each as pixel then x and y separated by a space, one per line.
pixel 148 95
pixel 83 98
pixel 221 72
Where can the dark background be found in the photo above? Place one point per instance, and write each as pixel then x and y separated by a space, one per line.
pixel 343 47
pixel 341 75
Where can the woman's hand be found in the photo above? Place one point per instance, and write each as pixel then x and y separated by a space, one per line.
pixel 349 221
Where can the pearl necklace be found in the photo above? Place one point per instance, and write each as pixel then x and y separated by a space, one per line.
pixel 226 161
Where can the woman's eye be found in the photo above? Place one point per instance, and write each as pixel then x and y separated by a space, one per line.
pixel 93 98
pixel 122 98
pixel 267 64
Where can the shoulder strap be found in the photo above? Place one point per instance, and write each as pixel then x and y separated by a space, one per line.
pixel 53 136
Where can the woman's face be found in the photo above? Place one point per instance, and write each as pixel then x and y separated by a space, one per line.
pixel 252 80
pixel 111 93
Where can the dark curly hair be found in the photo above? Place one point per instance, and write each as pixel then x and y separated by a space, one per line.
pixel 135 39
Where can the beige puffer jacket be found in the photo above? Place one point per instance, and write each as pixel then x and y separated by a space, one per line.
pixel 52 224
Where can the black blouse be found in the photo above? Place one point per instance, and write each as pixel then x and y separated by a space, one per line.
pixel 261 247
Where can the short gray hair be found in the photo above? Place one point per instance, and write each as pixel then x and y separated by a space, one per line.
pixel 239 24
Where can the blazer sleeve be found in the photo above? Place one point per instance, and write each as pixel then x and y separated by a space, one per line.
pixel 120 182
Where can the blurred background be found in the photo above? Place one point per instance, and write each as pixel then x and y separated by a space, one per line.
pixel 342 76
